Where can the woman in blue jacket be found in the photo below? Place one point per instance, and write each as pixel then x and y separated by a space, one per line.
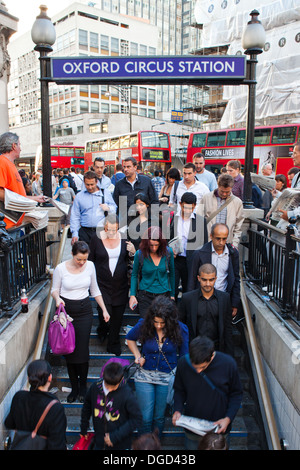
pixel 163 338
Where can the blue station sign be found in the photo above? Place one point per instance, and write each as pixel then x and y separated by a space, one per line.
pixel 180 69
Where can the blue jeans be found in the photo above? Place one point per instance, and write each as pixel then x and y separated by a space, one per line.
pixel 152 400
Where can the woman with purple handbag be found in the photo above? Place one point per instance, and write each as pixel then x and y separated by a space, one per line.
pixel 73 282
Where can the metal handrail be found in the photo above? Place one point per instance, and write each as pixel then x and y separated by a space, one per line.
pixel 272 427
pixel 48 307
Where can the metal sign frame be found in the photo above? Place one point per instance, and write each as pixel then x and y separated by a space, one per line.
pixel 167 70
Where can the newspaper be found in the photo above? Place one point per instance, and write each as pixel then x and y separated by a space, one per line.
pixel 263 182
pixel 287 201
pixel 59 205
pixel 176 245
pixel 196 425
pixel 39 219
pixel 15 202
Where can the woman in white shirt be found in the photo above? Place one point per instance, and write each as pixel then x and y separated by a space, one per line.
pixel 74 281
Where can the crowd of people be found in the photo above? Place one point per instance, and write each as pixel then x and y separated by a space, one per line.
pixel 169 250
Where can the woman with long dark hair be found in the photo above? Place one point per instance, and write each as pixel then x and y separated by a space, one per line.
pixel 153 271
pixel 163 338
pixel 74 281
pixel 138 225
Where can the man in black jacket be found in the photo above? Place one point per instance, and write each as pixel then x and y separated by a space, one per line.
pixel 207 386
pixel 207 311
pixel 128 187
pixel 225 258
pixel 192 231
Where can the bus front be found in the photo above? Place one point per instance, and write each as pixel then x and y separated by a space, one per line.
pixel 154 152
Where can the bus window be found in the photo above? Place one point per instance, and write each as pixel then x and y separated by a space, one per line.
pixel 103 145
pixel 79 152
pixel 66 152
pixel 54 151
pixel 199 140
pixel 77 161
pixel 114 143
pixel 134 140
pixel 236 138
pixel 262 136
pixel 124 141
pixel 284 135
pixel 216 139
pixel 154 139
pixel 94 146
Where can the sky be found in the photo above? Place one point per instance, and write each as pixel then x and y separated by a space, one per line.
pixel 27 11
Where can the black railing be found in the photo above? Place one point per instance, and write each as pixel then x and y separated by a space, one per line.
pixel 22 262
pixel 273 265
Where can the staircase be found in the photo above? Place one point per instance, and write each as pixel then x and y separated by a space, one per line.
pixel 246 433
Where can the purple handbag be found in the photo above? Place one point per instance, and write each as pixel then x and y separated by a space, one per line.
pixel 61 340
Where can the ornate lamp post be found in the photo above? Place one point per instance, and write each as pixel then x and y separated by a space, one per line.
pixel 253 41
pixel 43 35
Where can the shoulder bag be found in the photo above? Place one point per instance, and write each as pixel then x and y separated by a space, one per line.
pixel 170 396
pixel 30 440
pixel 61 333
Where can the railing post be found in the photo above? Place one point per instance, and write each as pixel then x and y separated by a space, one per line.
pixel 288 274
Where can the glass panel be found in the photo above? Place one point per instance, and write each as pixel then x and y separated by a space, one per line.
pixel 134 140
pixel 124 141
pixel 262 136
pixel 154 139
pixel 199 140
pixel 284 135
pixel 54 151
pixel 216 139
pixel 79 152
pixel 114 143
pixel 236 138
pixel 66 152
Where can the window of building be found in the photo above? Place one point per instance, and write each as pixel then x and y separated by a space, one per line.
pixel 94 107
pixel 94 42
pixel 104 45
pixel 84 106
pixel 83 39
pixel 114 46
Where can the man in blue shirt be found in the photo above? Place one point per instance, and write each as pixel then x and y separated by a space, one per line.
pixel 203 175
pixel 89 208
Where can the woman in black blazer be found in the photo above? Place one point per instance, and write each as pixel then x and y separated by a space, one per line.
pixel 109 252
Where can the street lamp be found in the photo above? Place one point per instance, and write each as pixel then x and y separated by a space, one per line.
pixel 253 41
pixel 43 35
pixel 128 102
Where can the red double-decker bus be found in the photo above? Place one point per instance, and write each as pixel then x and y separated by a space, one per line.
pixel 272 144
pixel 62 156
pixel 150 148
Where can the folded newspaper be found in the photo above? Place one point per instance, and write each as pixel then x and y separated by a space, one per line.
pixel 197 426
pixel 15 202
pixel 287 201
pixel 39 219
pixel 176 245
pixel 263 182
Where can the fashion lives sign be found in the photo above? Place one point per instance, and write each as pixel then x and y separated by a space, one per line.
pixel 148 69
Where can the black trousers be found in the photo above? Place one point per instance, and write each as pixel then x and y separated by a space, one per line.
pixel 145 299
pixel 85 234
pixel 181 273
pixel 111 328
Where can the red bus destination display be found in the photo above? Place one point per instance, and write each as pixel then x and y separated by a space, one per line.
pixel 145 69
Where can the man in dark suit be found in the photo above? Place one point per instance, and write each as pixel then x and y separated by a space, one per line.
pixel 207 311
pixel 225 258
pixel 192 231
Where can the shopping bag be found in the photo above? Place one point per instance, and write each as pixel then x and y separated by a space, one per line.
pixel 61 333
pixel 84 444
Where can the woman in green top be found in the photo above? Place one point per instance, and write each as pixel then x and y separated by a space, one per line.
pixel 153 271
